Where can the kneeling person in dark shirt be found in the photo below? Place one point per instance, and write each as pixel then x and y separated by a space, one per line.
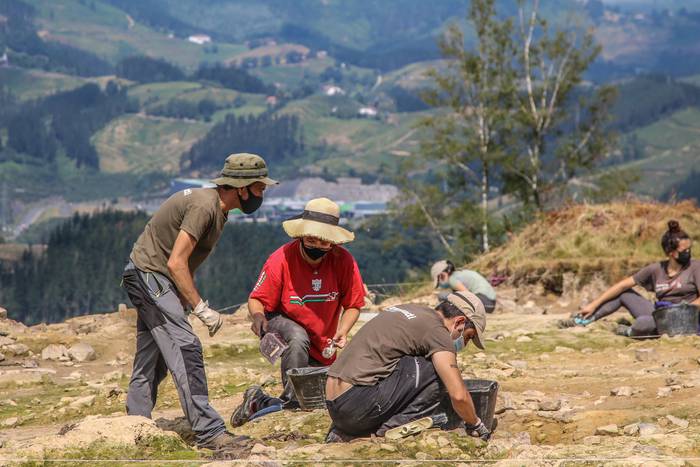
pixel 397 366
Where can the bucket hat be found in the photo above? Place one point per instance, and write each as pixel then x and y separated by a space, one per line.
pixel 320 219
pixel 473 309
pixel 244 169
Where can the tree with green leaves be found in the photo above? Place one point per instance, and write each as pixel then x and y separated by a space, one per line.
pixel 476 90
pixel 560 122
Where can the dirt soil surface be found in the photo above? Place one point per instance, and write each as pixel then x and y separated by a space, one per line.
pixel 570 396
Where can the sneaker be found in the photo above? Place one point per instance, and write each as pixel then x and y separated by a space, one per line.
pixel 566 323
pixel 336 436
pixel 251 398
pixel 227 441
pixel 623 330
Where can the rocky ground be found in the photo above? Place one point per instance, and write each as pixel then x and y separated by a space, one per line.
pixel 567 396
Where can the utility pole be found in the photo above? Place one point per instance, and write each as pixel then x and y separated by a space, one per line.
pixel 4 209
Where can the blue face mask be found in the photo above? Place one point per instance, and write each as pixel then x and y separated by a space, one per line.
pixel 444 285
pixel 459 343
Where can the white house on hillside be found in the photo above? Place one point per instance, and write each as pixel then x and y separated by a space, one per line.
pixel 199 39
pixel 367 112
pixel 330 90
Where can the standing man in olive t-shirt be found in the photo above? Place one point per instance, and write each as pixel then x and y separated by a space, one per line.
pixel 159 279
pixel 393 371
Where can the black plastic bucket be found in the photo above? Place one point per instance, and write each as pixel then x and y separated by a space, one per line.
pixel 677 320
pixel 484 393
pixel 309 386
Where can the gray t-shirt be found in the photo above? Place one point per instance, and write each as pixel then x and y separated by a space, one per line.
pixel 474 282
pixel 374 352
pixel 683 287
pixel 197 212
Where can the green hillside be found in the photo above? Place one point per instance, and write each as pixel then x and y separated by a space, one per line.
pixel 141 144
pixel 112 34
pixel 31 84
pixel 672 150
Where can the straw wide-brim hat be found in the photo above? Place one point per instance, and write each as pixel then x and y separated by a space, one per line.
pixel 320 219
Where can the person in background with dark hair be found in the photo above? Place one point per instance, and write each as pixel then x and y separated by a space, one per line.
pixel 446 277
pixel 397 367
pixel 674 280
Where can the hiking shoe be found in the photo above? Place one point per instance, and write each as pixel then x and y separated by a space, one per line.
pixel 624 321
pixel 623 330
pixel 251 401
pixel 227 441
pixel 566 323
pixel 334 435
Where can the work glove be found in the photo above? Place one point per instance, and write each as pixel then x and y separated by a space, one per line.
pixel 478 430
pixel 211 319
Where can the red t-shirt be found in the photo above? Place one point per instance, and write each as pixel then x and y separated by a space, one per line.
pixel 312 296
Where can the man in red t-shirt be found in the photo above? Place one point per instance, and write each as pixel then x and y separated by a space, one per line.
pixel 309 292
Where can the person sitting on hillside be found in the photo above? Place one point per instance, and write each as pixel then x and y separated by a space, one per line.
pixel 675 280
pixel 398 365
pixel 464 280
pixel 301 292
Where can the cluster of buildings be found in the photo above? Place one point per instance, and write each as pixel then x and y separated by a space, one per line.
pixel 356 199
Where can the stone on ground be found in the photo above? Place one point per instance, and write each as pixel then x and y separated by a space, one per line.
pixel 606 430
pixel 645 355
pixel 677 421
pixel 54 352
pixel 82 352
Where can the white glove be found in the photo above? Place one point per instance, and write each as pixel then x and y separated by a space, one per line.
pixel 211 319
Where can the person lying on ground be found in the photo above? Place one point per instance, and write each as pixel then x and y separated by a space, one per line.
pixel 673 281
pixel 159 279
pixel 398 366
pixel 464 280
pixel 302 291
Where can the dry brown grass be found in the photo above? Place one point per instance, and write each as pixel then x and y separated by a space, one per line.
pixel 612 240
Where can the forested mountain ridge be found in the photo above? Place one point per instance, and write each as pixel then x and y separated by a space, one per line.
pixel 175 96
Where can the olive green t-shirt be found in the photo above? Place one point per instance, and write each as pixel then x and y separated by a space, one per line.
pixel 374 352
pixel 197 212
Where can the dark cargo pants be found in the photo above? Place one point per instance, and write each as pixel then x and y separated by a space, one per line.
pixel 412 391
pixel 165 341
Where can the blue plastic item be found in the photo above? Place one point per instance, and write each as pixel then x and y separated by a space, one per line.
pixel 265 411
pixel 583 321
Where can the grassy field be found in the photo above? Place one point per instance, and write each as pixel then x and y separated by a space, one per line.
pixel 153 95
pixel 361 144
pixel 412 76
pixel 140 144
pixel 612 240
pixel 672 145
pixel 27 84
pixel 111 34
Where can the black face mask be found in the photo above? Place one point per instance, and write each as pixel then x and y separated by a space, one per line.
pixel 251 204
pixel 684 257
pixel 313 253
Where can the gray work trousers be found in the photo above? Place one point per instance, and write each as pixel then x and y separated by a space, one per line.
pixel 296 355
pixel 639 307
pixel 166 341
